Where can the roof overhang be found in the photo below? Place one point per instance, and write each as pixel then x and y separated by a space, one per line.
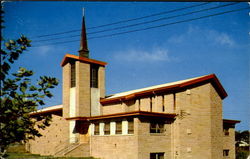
pixel 48 110
pixel 126 114
pixel 228 121
pixel 175 87
pixel 69 57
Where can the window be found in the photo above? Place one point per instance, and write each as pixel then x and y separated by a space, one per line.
pixel 159 155
pixel 225 152
pixel 151 104
pixel 163 106
pixel 139 104
pixel 107 128
pixel 174 101
pixel 118 129
pixel 156 127
pixel 226 131
pixel 94 76
pixel 73 74
pixel 130 126
pixel 96 132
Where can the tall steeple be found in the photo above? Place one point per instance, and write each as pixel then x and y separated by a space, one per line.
pixel 83 52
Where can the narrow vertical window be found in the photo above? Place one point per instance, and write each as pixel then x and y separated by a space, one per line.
pixel 94 76
pixel 130 126
pixel 159 155
pixel 107 128
pixel 226 131
pixel 163 106
pixel 139 104
pixel 72 74
pixel 96 132
pixel 174 101
pixel 118 129
pixel 225 152
pixel 151 104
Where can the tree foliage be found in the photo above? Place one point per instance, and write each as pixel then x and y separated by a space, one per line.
pixel 242 152
pixel 20 96
pixel 242 136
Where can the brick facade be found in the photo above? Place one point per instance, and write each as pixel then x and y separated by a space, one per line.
pixel 53 137
pixel 187 114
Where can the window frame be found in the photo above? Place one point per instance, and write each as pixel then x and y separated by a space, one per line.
pixel 151 104
pixel 226 152
pixel 106 128
pixel 157 155
pixel 226 131
pixel 118 131
pixel 157 127
pixel 94 69
pixel 96 129
pixel 130 126
pixel 163 106
pixel 72 74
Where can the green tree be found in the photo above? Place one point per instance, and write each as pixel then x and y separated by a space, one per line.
pixel 242 136
pixel 242 152
pixel 20 96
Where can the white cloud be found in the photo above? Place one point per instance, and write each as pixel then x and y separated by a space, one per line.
pixel 132 55
pixel 220 38
pixel 43 50
pixel 224 39
pixel 176 39
pixel 201 35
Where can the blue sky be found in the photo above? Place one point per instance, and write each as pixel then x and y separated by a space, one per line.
pixel 218 44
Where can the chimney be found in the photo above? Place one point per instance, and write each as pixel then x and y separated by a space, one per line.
pixel 83 52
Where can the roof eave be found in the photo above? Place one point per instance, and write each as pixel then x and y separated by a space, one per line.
pixel 46 112
pixel 209 78
pixel 67 57
pixel 126 114
pixel 229 121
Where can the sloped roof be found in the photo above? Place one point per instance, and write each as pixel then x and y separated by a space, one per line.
pixel 167 87
pixel 230 121
pixel 68 57
pixel 48 109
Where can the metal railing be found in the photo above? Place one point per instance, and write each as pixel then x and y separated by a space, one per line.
pixel 65 146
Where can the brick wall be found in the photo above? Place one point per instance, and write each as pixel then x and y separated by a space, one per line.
pixel 151 143
pixel 116 147
pixel 82 89
pixel 145 104
pixel 158 102
pixel 198 127
pixel 229 143
pixel 112 108
pixel 53 136
pixel 66 89
pixel 101 81
pixel 216 124
pixel 133 146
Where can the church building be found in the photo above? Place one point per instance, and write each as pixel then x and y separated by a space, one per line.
pixel 177 120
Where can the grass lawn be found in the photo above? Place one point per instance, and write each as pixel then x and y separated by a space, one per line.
pixel 14 155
